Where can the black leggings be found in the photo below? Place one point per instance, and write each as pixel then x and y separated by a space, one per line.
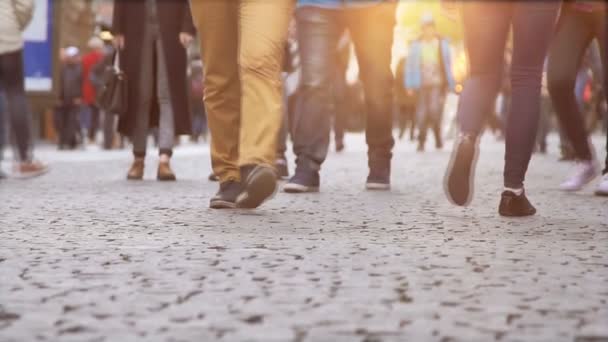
pixel 575 32
pixel 486 27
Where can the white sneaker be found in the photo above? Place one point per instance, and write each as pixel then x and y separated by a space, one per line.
pixel 584 173
pixel 602 188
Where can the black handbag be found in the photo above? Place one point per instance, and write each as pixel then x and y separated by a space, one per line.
pixel 113 95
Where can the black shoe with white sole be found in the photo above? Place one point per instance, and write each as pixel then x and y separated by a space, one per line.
pixel 379 177
pixel 259 185
pixel 226 196
pixel 458 182
pixel 302 182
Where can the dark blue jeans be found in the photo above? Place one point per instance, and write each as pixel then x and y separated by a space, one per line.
pixel 12 83
pixel 319 29
pixel 486 27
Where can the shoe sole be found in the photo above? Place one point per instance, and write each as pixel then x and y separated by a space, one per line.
pixel 260 186
pixel 29 175
pixel 135 178
pixel 516 215
pixel 377 186
pixel 292 188
pixel 219 204
pixel 471 178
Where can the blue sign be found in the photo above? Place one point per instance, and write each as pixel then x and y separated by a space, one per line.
pixel 38 49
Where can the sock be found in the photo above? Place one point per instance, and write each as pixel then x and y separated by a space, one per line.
pixel 517 192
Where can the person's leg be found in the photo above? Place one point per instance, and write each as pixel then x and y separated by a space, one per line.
pixel 11 81
pixel 318 32
pixel 371 30
pixel 94 122
pixel 166 126
pixel 565 55
pixel 486 27
pixel 282 139
pixel 436 102
pixel 422 109
pixel 533 25
pixel 263 34
pixel 218 32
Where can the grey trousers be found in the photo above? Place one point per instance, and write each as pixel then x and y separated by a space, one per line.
pixel 152 45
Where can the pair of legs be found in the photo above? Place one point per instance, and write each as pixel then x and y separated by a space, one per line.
pixel 153 86
pixel 576 32
pixel 67 125
pixel 319 30
pixel 15 105
pixel 429 113
pixel 486 26
pixel 242 45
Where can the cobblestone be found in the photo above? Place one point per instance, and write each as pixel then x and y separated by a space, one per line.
pixel 87 256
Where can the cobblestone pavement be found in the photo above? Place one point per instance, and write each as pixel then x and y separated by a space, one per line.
pixel 87 256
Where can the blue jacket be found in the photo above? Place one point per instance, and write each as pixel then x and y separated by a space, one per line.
pixel 413 69
pixel 336 4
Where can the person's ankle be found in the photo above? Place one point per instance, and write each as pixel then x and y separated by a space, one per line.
pixel 164 158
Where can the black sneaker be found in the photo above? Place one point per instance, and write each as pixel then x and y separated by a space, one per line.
pixel 458 182
pixel 513 205
pixel 303 181
pixel 260 184
pixel 282 169
pixel 226 196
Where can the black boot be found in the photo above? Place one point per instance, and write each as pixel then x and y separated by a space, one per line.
pixel 226 196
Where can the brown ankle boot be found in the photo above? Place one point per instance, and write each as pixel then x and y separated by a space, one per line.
pixel 164 172
pixel 136 172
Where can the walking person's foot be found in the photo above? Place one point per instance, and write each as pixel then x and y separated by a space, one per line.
pixel 259 185
pixel 458 182
pixel 3 175
pixel 339 146
pixel 226 196
pixel 583 174
pixel 213 178
pixel 136 171
pixel 379 177
pixel 514 203
pixel 282 168
pixel 303 181
pixel 164 172
pixel 30 169
pixel 602 187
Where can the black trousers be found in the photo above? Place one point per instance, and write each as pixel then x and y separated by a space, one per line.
pixel 575 32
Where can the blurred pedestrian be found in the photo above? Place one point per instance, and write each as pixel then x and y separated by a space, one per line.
pixel 405 103
pixel 242 44
pixel 2 134
pixel 89 60
pixel 70 100
pixel 152 36
pixel 428 73
pixel 486 29
pixel 320 25
pixel 199 117
pixel 14 17
pixel 580 23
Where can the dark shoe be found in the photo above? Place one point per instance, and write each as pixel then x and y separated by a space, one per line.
pixel 513 205
pixel 303 181
pixel 379 178
pixel 339 146
pixel 260 184
pixel 31 169
pixel 213 178
pixel 136 172
pixel 226 196
pixel 458 181
pixel 420 147
pixel 164 172
pixel 282 169
pixel 3 175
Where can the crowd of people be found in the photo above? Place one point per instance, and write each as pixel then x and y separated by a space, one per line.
pixel 251 50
